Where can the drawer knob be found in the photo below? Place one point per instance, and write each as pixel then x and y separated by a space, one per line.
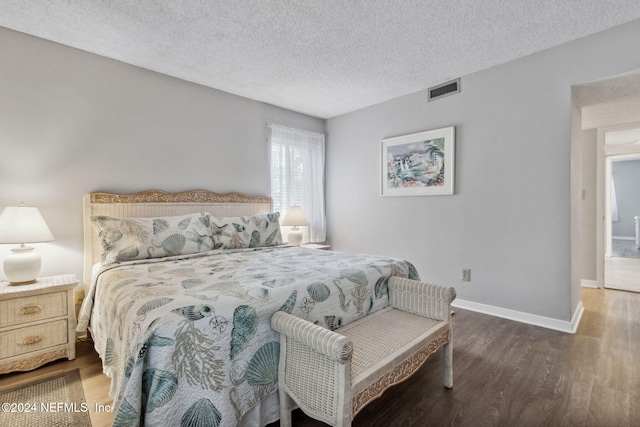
pixel 30 309
pixel 31 339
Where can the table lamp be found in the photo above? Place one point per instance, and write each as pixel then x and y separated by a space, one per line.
pixel 23 225
pixel 294 219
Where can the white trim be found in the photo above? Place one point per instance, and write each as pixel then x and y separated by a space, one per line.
pixel 623 238
pixel 577 316
pixel 589 283
pixel 288 129
pixel 518 316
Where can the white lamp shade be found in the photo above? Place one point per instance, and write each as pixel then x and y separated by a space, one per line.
pixel 294 217
pixel 23 225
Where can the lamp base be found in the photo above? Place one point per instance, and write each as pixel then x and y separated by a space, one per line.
pixel 22 266
pixel 295 236
pixel 30 282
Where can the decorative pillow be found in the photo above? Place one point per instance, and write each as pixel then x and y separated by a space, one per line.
pixel 246 231
pixel 125 239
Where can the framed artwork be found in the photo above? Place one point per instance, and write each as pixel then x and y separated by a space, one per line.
pixel 420 164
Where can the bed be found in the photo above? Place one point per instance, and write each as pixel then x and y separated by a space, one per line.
pixel 180 289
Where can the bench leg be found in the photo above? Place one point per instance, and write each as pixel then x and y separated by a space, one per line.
pixel 286 406
pixel 448 365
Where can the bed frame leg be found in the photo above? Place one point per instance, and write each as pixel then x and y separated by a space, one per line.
pixel 286 406
pixel 448 365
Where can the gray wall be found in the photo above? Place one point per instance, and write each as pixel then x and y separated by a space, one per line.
pixel 626 175
pixel 73 123
pixel 510 219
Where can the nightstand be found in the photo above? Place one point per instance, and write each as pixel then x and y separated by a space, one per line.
pixel 37 323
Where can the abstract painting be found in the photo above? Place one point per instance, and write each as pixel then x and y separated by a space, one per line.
pixel 420 164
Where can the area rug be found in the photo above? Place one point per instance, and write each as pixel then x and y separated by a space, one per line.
pixel 57 401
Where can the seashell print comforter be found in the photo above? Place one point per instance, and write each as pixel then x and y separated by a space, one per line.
pixel 186 340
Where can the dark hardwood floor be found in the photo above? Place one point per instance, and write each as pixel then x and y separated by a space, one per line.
pixel 512 374
pixel 505 374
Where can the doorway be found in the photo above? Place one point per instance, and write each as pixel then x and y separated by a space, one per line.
pixel 622 213
pixel 599 107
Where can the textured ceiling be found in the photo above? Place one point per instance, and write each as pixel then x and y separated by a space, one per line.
pixel 610 102
pixel 323 58
pixel 625 86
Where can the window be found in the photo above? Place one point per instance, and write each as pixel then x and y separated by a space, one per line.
pixel 297 176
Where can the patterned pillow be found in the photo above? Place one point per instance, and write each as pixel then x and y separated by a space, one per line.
pixel 125 239
pixel 246 231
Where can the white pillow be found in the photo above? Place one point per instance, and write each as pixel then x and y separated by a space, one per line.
pixel 246 231
pixel 126 239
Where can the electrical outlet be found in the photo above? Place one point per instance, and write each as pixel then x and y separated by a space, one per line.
pixel 466 274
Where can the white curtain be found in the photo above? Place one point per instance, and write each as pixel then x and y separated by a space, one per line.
pixel 297 176
pixel 614 202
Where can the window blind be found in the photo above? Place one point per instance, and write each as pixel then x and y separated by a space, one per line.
pixel 297 176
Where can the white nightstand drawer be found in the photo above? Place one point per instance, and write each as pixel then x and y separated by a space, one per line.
pixel 37 322
pixel 28 309
pixel 32 338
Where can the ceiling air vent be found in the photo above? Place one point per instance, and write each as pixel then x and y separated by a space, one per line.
pixel 445 89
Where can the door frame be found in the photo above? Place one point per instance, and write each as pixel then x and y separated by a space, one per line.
pixel 603 211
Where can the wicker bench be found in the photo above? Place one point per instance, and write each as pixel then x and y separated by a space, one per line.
pixel 332 375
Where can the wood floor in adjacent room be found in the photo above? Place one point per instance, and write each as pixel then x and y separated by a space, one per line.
pixel 505 374
pixel 622 273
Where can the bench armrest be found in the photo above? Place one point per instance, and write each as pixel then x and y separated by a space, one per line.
pixel 421 298
pixel 331 344
pixel 314 370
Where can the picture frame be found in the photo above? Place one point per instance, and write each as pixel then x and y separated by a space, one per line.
pixel 419 164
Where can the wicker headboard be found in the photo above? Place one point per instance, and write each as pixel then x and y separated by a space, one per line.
pixel 155 203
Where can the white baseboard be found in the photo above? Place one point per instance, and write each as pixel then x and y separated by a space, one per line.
pixel 577 316
pixel 518 316
pixel 589 283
